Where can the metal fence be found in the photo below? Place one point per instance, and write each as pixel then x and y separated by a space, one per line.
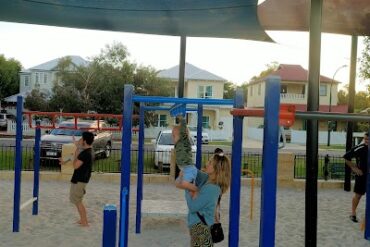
pixel 250 161
pixel 329 167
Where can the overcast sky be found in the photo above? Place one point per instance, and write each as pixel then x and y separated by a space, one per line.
pixel 234 60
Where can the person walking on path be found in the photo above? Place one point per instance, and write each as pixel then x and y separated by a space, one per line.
pixel 218 169
pixel 360 153
pixel 82 164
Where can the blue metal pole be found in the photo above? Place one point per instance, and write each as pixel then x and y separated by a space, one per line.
pixel 140 170
pixel 367 211
pixel 36 169
pixel 236 159
pixel 269 162
pixel 199 137
pixel 109 225
pixel 157 99
pixel 124 218
pixel 18 165
pixel 125 162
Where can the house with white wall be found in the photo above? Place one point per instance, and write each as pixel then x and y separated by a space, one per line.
pixel 200 83
pixel 43 76
pixel 294 90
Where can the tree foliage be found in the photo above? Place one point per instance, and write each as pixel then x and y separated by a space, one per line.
pixel 9 76
pixel 271 67
pixel 98 86
pixel 365 59
pixel 229 90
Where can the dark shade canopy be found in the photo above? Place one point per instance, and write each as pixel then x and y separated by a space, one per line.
pixel 193 18
pixel 351 17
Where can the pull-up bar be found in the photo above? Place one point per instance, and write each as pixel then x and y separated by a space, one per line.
pixel 75 116
pixel 156 99
pixel 286 113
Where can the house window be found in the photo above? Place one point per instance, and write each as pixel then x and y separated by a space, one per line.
pixel 45 78
pixel 26 81
pixel 323 90
pixel 37 78
pixel 284 89
pixel 251 91
pixel 205 92
pixel 259 89
pixel 205 122
pixel 162 121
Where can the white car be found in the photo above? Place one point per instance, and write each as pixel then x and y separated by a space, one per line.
pixel 193 133
pixel 164 145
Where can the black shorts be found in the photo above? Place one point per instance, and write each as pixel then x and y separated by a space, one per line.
pixel 360 185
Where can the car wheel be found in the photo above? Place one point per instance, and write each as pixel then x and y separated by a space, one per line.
pixel 107 150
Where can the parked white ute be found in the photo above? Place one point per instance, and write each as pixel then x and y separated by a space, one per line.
pixel 163 145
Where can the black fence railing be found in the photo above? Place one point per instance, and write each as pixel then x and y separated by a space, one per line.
pixel 112 164
pixel 329 167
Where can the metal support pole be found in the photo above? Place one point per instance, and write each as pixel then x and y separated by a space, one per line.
pixel 18 165
pixel 181 85
pixel 312 125
pixel 36 168
pixel 140 170
pixel 269 162
pixel 236 159
pixel 199 137
pixel 367 211
pixel 109 225
pixel 125 163
pixel 351 106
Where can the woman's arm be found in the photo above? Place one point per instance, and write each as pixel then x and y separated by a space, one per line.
pixel 206 195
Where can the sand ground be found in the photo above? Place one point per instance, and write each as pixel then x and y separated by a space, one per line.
pixel 55 224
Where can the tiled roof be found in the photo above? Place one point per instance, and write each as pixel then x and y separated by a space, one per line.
pixel 50 65
pixel 191 73
pixel 295 73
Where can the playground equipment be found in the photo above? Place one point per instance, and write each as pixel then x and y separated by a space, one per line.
pixel 270 147
pixel 18 152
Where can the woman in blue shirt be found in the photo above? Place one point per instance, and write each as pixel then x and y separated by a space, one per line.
pixel 218 169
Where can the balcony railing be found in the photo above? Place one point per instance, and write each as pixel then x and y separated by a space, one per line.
pixel 292 96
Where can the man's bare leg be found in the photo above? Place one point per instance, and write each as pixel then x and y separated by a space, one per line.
pixel 82 212
pixel 355 201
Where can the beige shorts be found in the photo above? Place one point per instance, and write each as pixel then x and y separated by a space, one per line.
pixel 77 192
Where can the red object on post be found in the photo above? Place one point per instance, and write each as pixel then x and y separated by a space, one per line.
pixel 286 114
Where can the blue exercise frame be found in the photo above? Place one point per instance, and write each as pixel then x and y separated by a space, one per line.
pixel 268 200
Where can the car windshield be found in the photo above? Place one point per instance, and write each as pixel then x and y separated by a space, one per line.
pixel 66 132
pixel 165 139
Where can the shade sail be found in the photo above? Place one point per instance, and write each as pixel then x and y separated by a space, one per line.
pixel 350 17
pixel 193 18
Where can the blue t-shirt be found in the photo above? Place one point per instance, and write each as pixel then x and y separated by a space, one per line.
pixel 205 203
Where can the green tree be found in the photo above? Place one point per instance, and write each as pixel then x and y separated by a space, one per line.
pixel 271 67
pixel 36 101
pixel 9 76
pixel 365 59
pixel 229 90
pixel 342 97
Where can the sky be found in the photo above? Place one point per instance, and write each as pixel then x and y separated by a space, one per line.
pixel 235 60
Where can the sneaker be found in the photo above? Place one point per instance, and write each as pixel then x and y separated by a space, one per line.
pixel 353 218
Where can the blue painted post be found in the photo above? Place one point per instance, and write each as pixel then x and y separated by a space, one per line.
pixel 124 218
pixel 140 170
pixel 36 169
pixel 126 162
pixel 236 159
pixel 109 225
pixel 269 162
pixel 367 212
pixel 199 137
pixel 18 165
